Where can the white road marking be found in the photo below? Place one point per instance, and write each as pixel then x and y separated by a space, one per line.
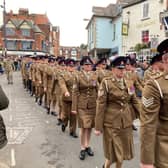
pixel 13 161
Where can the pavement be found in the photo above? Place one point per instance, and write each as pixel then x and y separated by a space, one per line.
pixel 35 141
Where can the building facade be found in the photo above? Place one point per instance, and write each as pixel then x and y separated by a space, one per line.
pixel 142 24
pixel 104 31
pixel 70 52
pixel 25 33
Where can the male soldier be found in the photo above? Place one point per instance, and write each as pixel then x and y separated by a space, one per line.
pixel 155 69
pixel 9 66
pixel 154 117
pixel 66 82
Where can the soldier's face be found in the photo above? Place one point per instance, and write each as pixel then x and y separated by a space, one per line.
pixel 119 73
pixel 87 67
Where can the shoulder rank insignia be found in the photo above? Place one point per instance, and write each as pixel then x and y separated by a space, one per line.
pixel 147 102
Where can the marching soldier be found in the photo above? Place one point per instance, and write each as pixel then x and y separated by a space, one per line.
pixel 133 82
pixel 101 70
pixel 155 69
pixel 66 82
pixel 9 66
pixel 113 116
pixel 154 117
pixel 84 97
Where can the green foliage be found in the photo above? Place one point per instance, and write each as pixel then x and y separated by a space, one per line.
pixel 140 46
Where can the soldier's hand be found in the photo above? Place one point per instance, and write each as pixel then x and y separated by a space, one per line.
pixel 45 89
pixel 146 166
pixel 97 132
pixel 67 94
pixel 40 82
pixel 74 112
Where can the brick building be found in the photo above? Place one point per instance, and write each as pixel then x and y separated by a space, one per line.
pixel 70 52
pixel 29 34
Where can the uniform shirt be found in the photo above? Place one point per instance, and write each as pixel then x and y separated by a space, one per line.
pixel 154 120
pixel 113 104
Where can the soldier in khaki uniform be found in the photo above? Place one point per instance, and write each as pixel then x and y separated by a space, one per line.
pixel 154 118
pixel 66 83
pixel 101 70
pixel 9 66
pixel 48 82
pixel 133 82
pixel 113 116
pixel 155 69
pixel 84 97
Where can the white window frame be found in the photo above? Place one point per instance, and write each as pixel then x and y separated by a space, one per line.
pixel 145 14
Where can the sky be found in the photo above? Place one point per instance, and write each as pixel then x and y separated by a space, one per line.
pixel 69 15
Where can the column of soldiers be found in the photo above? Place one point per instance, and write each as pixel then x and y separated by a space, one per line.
pixel 106 99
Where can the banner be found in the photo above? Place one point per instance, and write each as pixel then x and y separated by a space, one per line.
pixel 125 29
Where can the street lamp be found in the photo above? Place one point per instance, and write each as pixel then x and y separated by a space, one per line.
pixel 4 28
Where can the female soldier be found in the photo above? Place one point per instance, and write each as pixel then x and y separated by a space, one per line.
pixel 113 116
pixel 66 83
pixel 84 103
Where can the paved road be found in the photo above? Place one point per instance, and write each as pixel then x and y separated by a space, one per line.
pixel 36 142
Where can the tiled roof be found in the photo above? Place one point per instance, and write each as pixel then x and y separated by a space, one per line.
pixel 111 10
pixel 126 3
pixel 41 19
pixel 18 23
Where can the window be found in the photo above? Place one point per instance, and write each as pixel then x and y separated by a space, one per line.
pixel 60 52
pixel 145 36
pixel 25 32
pixel 145 10
pixel 74 52
pixel 26 45
pixel 43 45
pixel 11 45
pixel 10 31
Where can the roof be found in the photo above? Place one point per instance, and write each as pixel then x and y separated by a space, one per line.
pixel 18 23
pixel 127 3
pixel 111 11
pixel 41 19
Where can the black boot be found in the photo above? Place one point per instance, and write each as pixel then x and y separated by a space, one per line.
pixel 36 99
pixel 82 155
pixel 89 151
pixel 48 110
pixel 59 122
pixel 53 113
pixel 73 134
pixel 63 127
pixel 40 102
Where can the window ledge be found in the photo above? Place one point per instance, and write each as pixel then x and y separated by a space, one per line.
pixel 146 18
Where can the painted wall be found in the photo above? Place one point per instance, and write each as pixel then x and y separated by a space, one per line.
pixel 137 24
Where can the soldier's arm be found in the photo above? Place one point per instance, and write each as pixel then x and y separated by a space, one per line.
pixel 101 105
pixel 149 120
pixel 135 102
pixel 4 102
pixel 62 84
pixel 75 93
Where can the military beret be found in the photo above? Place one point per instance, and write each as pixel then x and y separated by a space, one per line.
pixel 163 47
pixel 156 58
pixel 86 60
pixel 118 62
pixel 62 62
pixel 130 61
pixel 101 61
pixel 70 62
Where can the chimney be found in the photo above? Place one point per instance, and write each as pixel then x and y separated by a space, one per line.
pixel 23 11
